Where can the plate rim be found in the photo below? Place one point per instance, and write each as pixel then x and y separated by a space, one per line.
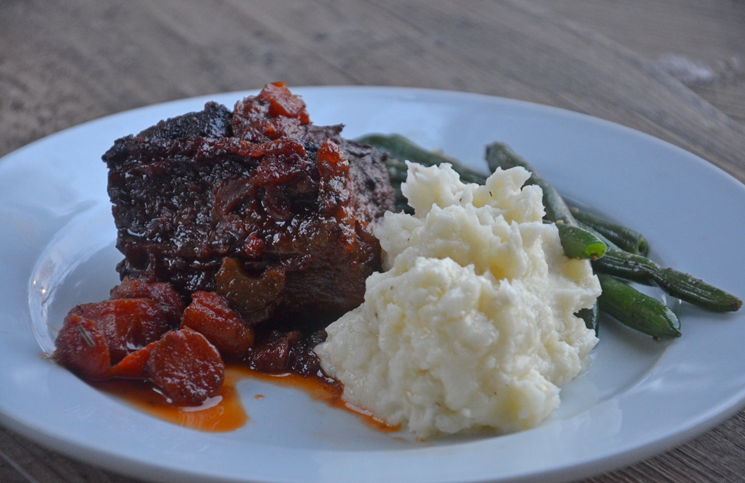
pixel 582 468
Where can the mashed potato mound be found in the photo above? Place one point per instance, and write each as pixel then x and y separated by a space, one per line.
pixel 472 324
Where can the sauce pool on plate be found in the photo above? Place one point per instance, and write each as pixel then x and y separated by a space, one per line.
pixel 225 412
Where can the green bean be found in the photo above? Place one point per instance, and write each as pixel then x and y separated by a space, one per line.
pixel 402 149
pixel 590 316
pixel 499 155
pixel 630 266
pixel 502 156
pixel 636 268
pixel 625 238
pixel 614 249
pixel 637 310
pixel 577 242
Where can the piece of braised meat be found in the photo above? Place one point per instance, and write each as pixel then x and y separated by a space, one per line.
pixel 258 204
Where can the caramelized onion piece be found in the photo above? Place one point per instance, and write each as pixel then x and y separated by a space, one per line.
pixel 256 297
pixel 273 355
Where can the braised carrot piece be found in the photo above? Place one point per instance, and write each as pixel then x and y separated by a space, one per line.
pixel 133 365
pixel 126 324
pixel 163 294
pixel 82 348
pixel 185 367
pixel 211 315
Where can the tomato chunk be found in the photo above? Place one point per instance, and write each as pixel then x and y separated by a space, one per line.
pixel 283 103
pixel 211 315
pixel 186 367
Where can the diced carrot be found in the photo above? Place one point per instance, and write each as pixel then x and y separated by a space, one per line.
pixel 82 348
pixel 211 315
pixel 126 324
pixel 133 365
pixel 161 293
pixel 186 367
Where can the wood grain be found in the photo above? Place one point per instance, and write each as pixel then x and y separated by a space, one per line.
pixel 704 40
pixel 113 57
pixel 63 63
pixel 24 461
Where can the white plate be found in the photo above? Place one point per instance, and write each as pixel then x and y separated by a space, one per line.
pixel 639 398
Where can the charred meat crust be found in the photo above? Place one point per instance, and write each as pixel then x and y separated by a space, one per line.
pixel 261 186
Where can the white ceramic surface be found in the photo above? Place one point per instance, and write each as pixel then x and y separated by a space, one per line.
pixel 639 398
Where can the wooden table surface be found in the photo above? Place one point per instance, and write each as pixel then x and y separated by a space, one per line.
pixel 672 68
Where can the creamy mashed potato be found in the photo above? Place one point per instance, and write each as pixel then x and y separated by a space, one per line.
pixel 472 324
